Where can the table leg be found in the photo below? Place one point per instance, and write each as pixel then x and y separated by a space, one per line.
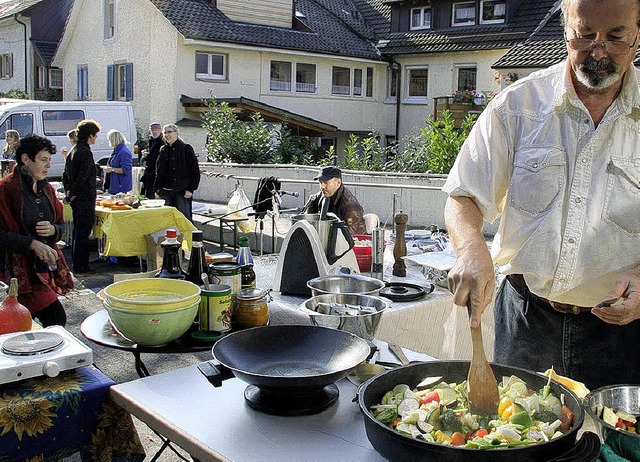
pixel 221 236
pixel 141 369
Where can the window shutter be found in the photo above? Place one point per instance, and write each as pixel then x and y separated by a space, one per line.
pixel 110 81
pixel 10 65
pixel 128 80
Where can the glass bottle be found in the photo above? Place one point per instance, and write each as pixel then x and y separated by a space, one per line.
pixel 171 260
pixel 245 260
pixel 197 260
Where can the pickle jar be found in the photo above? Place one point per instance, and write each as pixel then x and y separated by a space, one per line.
pixel 251 309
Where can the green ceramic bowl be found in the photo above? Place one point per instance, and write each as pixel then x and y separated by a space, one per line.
pixel 152 327
pixel 151 293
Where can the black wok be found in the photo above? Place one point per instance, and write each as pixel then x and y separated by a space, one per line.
pixel 394 446
pixel 291 369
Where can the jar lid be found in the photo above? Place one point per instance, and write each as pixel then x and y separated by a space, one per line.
pixel 251 294
pixel 243 241
pixel 170 233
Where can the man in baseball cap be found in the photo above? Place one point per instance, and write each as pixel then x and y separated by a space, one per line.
pixel 342 202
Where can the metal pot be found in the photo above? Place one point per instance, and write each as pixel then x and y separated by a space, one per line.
pixel 394 446
pixel 355 284
pixel 291 369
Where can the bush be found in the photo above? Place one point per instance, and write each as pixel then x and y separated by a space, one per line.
pixel 435 149
pixel 363 153
pixel 15 94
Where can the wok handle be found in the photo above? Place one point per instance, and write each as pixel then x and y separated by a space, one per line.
pixel 587 448
pixel 215 372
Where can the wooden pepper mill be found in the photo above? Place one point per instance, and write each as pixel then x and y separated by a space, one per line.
pixel 400 247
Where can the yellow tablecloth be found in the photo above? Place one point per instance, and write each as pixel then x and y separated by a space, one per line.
pixel 126 229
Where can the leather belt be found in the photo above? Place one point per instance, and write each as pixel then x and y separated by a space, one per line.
pixel 518 283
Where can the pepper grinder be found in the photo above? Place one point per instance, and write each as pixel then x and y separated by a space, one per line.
pixel 400 247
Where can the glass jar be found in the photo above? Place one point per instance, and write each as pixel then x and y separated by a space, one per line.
pixel 251 309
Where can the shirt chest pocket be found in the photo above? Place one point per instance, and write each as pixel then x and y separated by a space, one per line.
pixel 622 200
pixel 538 177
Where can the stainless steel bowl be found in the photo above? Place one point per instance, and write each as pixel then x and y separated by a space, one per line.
pixel 345 284
pixel 619 398
pixel 358 314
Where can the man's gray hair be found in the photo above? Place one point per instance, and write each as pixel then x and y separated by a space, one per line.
pixel 564 6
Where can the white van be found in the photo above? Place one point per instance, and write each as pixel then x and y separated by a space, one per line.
pixel 53 119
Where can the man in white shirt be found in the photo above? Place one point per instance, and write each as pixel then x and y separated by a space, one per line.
pixel 555 157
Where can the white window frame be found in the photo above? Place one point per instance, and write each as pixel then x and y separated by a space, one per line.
pixel 56 78
pixel 41 77
pixel 463 5
pixel 358 91
pixel 120 83
pixel 392 85
pixel 336 89
pixel 109 19
pixel 407 84
pixel 496 3
pixel 281 86
pixel 210 74
pixel 459 67
pixel 6 66
pixel 306 87
pixel 423 11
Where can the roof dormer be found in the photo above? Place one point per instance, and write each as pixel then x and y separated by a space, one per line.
pixel 276 13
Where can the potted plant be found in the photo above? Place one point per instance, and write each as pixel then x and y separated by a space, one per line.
pixel 463 96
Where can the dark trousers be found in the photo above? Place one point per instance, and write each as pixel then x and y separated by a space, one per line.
pixel 178 201
pixel 53 315
pixel 530 334
pixel 83 218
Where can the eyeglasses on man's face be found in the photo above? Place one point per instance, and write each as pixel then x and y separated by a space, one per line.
pixel 611 47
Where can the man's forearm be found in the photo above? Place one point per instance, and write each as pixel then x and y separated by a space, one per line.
pixel 464 222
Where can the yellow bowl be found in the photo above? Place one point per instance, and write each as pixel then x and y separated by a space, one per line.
pixel 148 327
pixel 151 293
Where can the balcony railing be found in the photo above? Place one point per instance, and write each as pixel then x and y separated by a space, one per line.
pixel 459 111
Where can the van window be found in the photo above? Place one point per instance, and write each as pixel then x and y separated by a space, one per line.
pixel 59 123
pixel 23 122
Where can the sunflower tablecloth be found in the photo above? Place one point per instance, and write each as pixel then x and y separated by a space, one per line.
pixel 49 418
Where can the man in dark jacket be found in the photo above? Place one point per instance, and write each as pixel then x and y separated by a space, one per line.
pixel 342 202
pixel 150 159
pixel 177 172
pixel 82 193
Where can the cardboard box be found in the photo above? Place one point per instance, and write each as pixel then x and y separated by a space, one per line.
pixel 154 248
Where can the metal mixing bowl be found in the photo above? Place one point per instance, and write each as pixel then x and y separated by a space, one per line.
pixel 358 314
pixel 345 284
pixel 619 398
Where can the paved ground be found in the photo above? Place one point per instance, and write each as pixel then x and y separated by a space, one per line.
pixel 119 365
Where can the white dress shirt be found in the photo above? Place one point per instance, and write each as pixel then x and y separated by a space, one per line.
pixel 567 193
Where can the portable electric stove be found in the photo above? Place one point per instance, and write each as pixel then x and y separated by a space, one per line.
pixel 40 352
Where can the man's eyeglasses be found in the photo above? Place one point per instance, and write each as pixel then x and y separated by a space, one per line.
pixel 612 47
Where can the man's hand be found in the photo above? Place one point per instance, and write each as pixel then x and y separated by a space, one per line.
pixel 472 282
pixel 188 194
pixel 625 296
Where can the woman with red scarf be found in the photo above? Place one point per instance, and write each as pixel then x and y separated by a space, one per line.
pixel 31 222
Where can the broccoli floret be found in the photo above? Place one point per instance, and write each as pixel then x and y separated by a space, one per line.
pixel 545 415
pixel 450 421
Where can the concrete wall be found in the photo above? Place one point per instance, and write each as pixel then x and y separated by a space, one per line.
pixel 417 195
pixel 12 41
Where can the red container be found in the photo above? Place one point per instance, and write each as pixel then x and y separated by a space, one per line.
pixel 363 253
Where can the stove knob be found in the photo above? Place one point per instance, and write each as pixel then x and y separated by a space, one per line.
pixel 51 369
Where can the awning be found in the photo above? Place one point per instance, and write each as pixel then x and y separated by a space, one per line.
pixel 244 108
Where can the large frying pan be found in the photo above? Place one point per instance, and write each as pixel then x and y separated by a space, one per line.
pixel 394 446
pixel 291 369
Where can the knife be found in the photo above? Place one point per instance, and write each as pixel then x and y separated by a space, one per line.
pixel 397 350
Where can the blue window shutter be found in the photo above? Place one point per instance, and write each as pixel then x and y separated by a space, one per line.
pixel 128 80
pixel 85 83
pixel 110 81
pixel 80 85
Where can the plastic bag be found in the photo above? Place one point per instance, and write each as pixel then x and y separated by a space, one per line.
pixel 237 203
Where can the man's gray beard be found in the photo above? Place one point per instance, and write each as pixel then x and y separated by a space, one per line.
pixel 596 82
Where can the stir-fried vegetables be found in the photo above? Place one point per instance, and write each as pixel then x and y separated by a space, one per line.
pixel 619 419
pixel 440 414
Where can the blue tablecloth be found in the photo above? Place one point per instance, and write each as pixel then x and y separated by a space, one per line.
pixel 49 418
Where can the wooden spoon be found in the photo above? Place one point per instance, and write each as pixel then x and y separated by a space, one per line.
pixel 482 386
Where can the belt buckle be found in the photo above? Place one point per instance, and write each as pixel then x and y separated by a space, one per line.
pixel 565 308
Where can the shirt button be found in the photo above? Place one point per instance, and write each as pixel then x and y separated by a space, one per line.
pixel 41 214
pixel 584 160
pixel 586 121
pixel 535 165
pixel 578 200
pixel 570 240
pixel 37 201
